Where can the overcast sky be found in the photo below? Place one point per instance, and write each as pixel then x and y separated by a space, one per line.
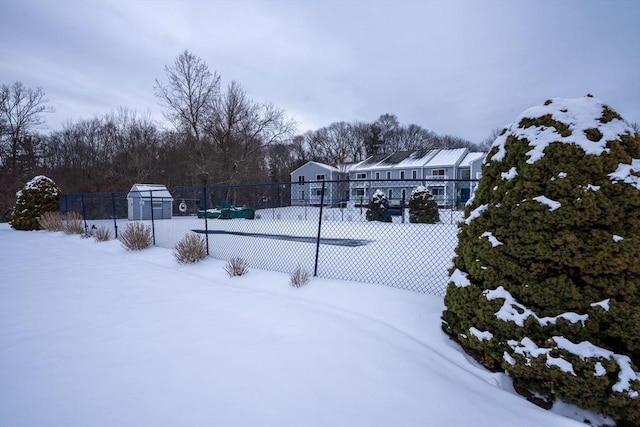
pixel 454 67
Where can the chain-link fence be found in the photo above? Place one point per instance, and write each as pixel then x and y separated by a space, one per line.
pixel 320 226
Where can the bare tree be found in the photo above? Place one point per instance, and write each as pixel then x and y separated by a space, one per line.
pixel 21 110
pixel 239 129
pixel 190 94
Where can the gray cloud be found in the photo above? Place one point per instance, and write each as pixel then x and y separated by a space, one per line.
pixel 455 67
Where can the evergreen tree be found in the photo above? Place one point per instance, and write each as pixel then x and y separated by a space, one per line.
pixel 546 278
pixel 422 207
pixel 376 207
pixel 38 196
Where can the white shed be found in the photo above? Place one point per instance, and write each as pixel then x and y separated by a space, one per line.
pixel 149 200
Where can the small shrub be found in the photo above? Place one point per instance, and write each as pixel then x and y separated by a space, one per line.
pixel 72 223
pixel 236 266
pixel 102 234
pixel 136 236
pixel 422 207
pixel 376 207
pixel 191 249
pixel 299 277
pixel 51 221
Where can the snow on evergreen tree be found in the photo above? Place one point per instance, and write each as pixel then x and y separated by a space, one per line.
pixel 376 207
pixel 546 277
pixel 38 196
pixel 422 207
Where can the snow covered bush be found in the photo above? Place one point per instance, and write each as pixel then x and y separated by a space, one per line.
pixel 236 266
pixel 191 249
pixel 376 207
pixel 136 236
pixel 422 207
pixel 546 277
pixel 38 196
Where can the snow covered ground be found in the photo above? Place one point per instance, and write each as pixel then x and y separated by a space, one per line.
pixel 93 335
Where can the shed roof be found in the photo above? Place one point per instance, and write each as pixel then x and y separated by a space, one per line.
pixel 147 190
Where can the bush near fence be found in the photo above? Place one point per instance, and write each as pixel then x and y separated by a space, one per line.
pixel 329 237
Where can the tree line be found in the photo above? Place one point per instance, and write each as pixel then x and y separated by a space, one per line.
pixel 219 136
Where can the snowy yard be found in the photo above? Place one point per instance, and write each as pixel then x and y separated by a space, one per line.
pixel 93 335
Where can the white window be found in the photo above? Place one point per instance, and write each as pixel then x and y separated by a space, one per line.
pixel 301 180
pixel 437 191
pixel 361 176
pixel 438 173
pixel 401 174
pixel 377 175
pixel 414 174
pixel 438 194
pixel 301 194
pixel 320 177
pixel 465 174
pixel 317 192
pixel 388 174
pixel 358 192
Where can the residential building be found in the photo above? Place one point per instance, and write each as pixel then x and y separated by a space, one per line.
pixel 446 173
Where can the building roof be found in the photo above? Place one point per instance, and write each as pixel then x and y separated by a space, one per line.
pixel 322 165
pixel 471 157
pixel 446 158
pixel 395 158
pixel 149 190
pixel 460 157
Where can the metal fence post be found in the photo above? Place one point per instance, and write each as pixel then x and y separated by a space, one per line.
pixel 153 226
pixel 84 213
pixel 115 216
pixel 315 269
pixel 206 224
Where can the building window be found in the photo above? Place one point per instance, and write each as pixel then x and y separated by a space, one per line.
pixel 465 174
pixel 301 180
pixel 361 176
pixel 438 194
pixel 320 177
pixel 358 192
pixel 414 174
pixel 317 192
pixel 377 175
pixel 404 194
pixel 301 194
pixel 438 173
pixel 401 174
pixel 388 174
pixel 157 205
pixel 390 196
